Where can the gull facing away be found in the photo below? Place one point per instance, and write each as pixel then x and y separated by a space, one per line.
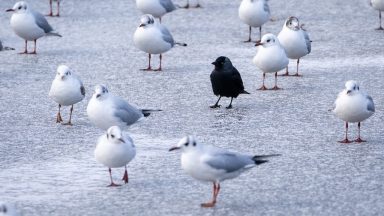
pixel 378 5
pixel 106 110
pixel 352 105
pixel 212 164
pixel 114 150
pixel 156 8
pixel 270 57
pixel 29 25
pixel 153 38
pixel 50 8
pixel 66 90
pixel 254 13
pixel 226 81
pixel 295 41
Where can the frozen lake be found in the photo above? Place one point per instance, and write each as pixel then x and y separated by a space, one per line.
pixel 49 169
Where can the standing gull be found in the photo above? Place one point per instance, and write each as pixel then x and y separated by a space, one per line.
pixel 153 38
pixel 29 25
pixel 106 110
pixel 270 57
pixel 50 8
pixel 352 105
pixel 378 5
pixel 226 80
pixel 156 8
pixel 115 150
pixel 295 41
pixel 66 90
pixel 212 164
pixel 254 13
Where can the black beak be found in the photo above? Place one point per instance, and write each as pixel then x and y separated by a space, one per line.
pixel 141 25
pixel 9 10
pixel 122 140
pixel 174 148
pixel 349 91
pixel 258 43
pixel 214 63
pixel 98 95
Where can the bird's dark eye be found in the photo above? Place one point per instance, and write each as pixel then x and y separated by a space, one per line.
pixel 194 143
pixel 20 7
pixel 358 88
pixel 354 87
pixel 186 144
pixel 113 136
pixel 268 41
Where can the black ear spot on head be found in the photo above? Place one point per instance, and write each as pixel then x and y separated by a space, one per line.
pixel 194 144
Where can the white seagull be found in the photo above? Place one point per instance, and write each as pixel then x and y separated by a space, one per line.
pixel 66 90
pixel 212 164
pixel 156 8
pixel 106 110
pixel 29 25
pixel 378 5
pixel 270 57
pixel 352 105
pixel 295 41
pixel 153 38
pixel 50 8
pixel 254 13
pixel 115 150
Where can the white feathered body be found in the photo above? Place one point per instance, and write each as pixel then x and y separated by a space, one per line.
pixel 271 59
pixel 24 25
pixel 293 42
pixel 253 13
pixel 150 40
pixel 352 108
pixel 66 92
pixel 152 7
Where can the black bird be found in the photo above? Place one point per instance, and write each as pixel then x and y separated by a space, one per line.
pixel 226 81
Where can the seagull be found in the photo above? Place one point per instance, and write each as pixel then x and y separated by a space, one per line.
pixel 378 5
pixel 153 38
pixel 29 25
pixel 212 164
pixel 226 80
pixel 50 8
pixel 115 150
pixel 295 41
pixel 189 5
pixel 106 110
pixel 352 105
pixel 66 90
pixel 156 8
pixel 254 13
pixel 270 57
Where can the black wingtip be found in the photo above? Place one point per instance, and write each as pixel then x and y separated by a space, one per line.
pixel 146 114
pixel 182 44
pixel 258 162
pixel 260 159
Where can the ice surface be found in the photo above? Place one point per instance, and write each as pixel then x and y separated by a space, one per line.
pixel 49 169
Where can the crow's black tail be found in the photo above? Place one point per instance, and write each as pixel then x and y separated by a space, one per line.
pixel 244 92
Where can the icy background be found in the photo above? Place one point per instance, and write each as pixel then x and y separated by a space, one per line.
pixel 49 169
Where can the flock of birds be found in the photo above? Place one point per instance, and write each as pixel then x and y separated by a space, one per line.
pixel 203 162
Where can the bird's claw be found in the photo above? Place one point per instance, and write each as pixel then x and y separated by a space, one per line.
pixel 229 107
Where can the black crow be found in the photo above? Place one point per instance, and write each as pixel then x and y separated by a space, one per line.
pixel 226 80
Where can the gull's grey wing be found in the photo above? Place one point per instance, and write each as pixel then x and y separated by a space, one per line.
pixel 371 105
pixel 167 5
pixel 126 112
pixel 307 41
pixel 167 37
pixel 42 22
pixel 229 162
pixel 266 7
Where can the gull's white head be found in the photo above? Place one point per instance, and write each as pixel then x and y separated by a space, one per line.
pixel 63 72
pixel 351 87
pixel 100 92
pixel 146 20
pixel 19 7
pixel 115 135
pixel 268 40
pixel 293 23
pixel 186 144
